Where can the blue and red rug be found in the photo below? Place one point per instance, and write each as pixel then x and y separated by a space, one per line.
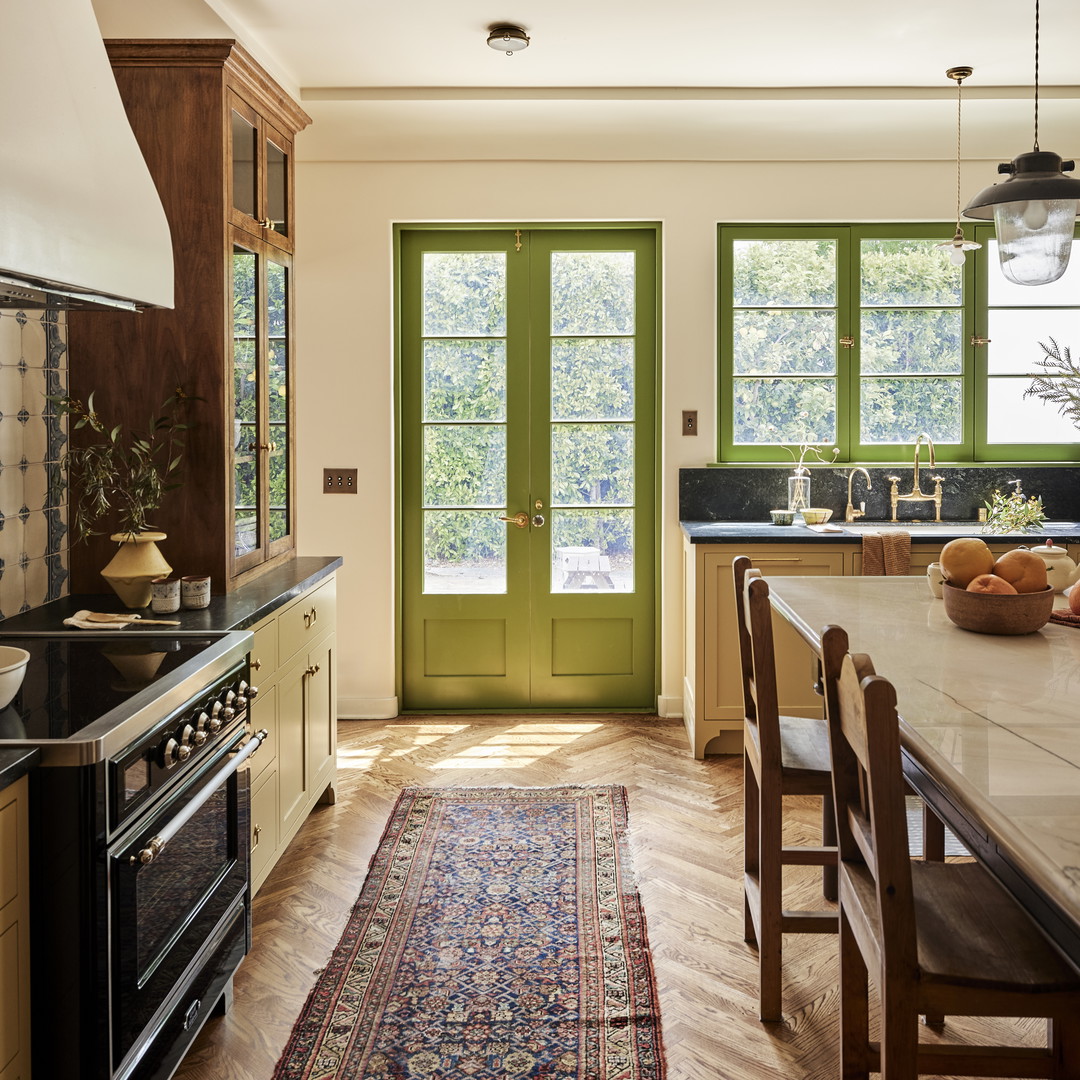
pixel 499 934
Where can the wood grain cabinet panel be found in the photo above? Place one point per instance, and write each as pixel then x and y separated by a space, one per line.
pixel 228 341
pixel 14 934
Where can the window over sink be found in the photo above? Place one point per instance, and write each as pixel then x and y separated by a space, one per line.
pixel 863 336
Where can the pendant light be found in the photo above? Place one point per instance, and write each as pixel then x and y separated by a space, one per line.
pixel 1034 210
pixel 958 245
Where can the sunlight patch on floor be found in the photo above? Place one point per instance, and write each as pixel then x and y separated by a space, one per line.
pixel 518 746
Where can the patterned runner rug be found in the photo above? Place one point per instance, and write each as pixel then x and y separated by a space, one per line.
pixel 499 934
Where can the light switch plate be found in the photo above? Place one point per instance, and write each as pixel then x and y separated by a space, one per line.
pixel 689 422
pixel 339 481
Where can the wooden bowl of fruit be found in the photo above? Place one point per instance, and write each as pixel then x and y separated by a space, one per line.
pixel 1009 595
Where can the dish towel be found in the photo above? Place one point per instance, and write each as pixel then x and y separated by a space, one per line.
pixel 886 553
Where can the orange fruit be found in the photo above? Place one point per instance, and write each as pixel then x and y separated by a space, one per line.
pixel 964 559
pixel 1024 571
pixel 990 583
pixel 1074 599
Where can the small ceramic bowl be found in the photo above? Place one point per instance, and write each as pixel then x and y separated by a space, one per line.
pixel 816 515
pixel 782 517
pixel 12 669
pixel 994 613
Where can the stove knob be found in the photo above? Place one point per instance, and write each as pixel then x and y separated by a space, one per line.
pixel 199 738
pixel 183 752
pixel 252 692
pixel 228 712
pixel 230 697
pixel 168 753
pixel 216 716
pixel 202 724
pixel 185 735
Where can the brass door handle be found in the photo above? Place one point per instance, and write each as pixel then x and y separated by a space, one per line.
pixel 313 670
pixel 520 519
pixel 538 520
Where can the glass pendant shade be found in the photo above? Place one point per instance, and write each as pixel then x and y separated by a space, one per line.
pixel 1034 239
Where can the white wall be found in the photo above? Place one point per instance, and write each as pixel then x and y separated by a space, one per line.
pixel 345 215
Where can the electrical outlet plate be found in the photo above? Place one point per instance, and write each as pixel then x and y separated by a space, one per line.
pixel 339 481
pixel 689 422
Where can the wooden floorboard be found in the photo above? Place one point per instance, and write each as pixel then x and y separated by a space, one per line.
pixel 686 839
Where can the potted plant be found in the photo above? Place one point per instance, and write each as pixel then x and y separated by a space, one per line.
pixel 124 474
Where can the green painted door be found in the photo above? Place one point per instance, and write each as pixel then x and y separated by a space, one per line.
pixel 527 449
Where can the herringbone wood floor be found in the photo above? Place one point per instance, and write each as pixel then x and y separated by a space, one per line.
pixel 686 837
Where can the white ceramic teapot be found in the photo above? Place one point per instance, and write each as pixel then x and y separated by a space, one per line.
pixel 1061 571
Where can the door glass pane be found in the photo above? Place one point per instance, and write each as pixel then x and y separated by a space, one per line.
pixel 891 409
pixel 277 168
pixel 784 342
pixel 245 399
pixel 464 380
pixel 592 550
pixel 1015 334
pixel 465 465
pixel 784 410
pixel 899 273
pixel 592 292
pixel 464 551
pixel 592 379
pixel 592 463
pixel 464 294
pixel 277 387
pixel 1012 418
pixel 243 164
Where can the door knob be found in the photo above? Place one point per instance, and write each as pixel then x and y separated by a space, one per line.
pixel 538 520
pixel 520 519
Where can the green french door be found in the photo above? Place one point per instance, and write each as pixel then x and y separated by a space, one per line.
pixel 527 451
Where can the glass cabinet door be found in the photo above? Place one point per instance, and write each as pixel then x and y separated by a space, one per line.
pixel 260 167
pixel 262 515
pixel 277 183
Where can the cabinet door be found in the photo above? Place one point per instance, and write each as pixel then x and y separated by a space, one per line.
pixel 796 665
pixel 260 160
pixel 264 827
pixel 14 934
pixel 262 481
pixel 292 765
pixel 263 714
pixel 321 715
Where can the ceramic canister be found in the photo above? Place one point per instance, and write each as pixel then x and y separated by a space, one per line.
pixel 165 594
pixel 195 591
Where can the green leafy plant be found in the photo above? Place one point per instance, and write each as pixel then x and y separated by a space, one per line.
pixel 1013 513
pixel 1060 383
pixel 125 474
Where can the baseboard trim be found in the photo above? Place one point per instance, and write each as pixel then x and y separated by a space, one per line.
pixel 670 707
pixel 365 708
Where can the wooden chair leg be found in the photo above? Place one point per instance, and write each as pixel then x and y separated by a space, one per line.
pixel 1063 1038
pixel 770 934
pixel 899 1034
pixel 854 1007
pixel 933 836
pixel 828 839
pixel 751 843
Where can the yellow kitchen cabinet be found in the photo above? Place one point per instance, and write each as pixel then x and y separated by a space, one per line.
pixel 712 691
pixel 14 934
pixel 293 662
pixel 922 555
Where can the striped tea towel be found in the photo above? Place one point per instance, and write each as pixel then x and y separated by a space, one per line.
pixel 886 553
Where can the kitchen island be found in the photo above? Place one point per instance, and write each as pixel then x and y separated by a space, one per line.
pixel 712 692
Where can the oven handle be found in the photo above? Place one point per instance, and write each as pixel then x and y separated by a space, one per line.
pixel 156 844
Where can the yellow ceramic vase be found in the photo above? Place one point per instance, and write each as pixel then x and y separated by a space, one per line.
pixel 136 563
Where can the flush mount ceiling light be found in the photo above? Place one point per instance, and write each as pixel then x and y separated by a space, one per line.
pixel 510 39
pixel 958 245
pixel 1034 211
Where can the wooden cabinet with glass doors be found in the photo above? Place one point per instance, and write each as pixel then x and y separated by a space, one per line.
pixel 217 135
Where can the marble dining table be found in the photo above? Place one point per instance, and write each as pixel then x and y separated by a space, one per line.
pixel 990 727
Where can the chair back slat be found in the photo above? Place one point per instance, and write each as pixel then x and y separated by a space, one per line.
pixel 759 659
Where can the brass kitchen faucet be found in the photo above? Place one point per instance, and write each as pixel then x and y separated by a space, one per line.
pixel 917 494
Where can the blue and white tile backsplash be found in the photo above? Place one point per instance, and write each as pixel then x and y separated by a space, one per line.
pixel 33 511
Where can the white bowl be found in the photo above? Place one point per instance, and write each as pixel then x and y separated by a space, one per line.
pixel 12 669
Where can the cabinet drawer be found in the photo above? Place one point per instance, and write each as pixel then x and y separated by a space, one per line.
pixel 312 615
pixel 264 816
pixel 264 651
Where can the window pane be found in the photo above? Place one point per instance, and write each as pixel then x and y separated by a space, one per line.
pixel 465 465
pixel 911 342
pixel 592 463
pixel 592 292
pixel 782 342
pixel 464 552
pixel 592 379
pixel 592 550
pixel 1065 292
pixel 897 410
pixel 784 410
pixel 901 273
pixel 245 403
pixel 784 273
pixel 464 380
pixel 243 164
pixel 1015 334
pixel 1012 418
pixel 464 294
pixel 279 484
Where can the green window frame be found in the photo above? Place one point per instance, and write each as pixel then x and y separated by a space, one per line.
pixel 839 345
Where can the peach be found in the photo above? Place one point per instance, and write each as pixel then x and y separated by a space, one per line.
pixel 964 559
pixel 990 583
pixel 1022 569
pixel 1074 599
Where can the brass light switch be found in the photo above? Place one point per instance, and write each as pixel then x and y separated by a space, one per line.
pixel 689 422
pixel 339 481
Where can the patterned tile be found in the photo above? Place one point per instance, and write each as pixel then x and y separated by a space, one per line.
pixel 35 348
pixel 58 575
pixel 37 582
pixel 10 338
pixel 35 440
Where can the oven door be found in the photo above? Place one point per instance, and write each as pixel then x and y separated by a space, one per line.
pixel 176 877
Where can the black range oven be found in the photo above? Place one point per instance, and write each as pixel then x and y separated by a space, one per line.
pixel 139 833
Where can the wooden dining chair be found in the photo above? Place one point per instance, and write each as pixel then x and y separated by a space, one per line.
pixel 935 937
pixel 782 755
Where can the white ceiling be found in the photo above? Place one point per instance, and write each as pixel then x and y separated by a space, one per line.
pixel 682 80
